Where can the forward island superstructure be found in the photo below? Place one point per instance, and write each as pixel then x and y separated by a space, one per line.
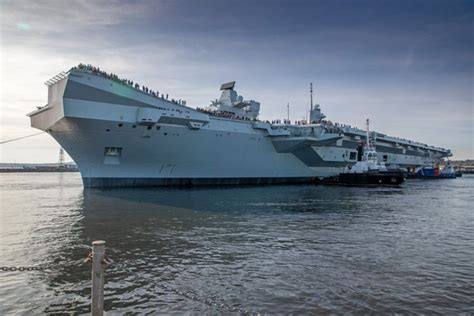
pixel 122 135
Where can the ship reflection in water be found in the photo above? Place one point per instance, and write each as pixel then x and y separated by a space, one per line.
pixel 275 249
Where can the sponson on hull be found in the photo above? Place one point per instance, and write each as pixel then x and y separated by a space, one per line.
pixel 120 133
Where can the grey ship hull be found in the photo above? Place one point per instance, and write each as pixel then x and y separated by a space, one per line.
pixel 120 136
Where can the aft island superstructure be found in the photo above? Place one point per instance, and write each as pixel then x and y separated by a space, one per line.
pixel 121 134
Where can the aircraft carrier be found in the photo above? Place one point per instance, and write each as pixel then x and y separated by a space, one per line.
pixel 122 134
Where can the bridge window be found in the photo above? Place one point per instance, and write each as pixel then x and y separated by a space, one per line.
pixel 353 155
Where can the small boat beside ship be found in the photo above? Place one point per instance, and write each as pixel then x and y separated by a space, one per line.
pixel 434 172
pixel 426 172
pixel 371 171
pixel 448 171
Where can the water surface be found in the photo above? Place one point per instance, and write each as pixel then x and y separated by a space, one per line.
pixel 272 249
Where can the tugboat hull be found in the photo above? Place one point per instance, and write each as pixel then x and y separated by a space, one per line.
pixel 382 178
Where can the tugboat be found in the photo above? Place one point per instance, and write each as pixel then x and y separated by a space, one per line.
pixel 448 171
pixel 434 172
pixel 426 172
pixel 370 171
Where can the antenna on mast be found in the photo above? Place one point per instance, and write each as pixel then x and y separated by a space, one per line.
pixel 311 91
pixel 368 139
pixel 288 111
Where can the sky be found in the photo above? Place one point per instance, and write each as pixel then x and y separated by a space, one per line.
pixel 406 65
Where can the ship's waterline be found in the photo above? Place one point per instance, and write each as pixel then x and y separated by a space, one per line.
pixel 121 136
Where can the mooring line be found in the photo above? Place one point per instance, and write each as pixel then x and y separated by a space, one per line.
pixel 18 138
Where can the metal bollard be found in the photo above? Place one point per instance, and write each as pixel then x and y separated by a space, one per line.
pixel 98 252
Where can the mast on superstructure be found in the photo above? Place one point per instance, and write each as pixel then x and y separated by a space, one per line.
pixel 315 115
pixel 368 139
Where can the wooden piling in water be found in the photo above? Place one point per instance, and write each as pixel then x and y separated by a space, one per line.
pixel 97 300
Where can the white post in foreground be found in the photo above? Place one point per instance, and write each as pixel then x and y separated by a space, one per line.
pixel 98 252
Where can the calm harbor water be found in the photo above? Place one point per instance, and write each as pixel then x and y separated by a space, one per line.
pixel 274 249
